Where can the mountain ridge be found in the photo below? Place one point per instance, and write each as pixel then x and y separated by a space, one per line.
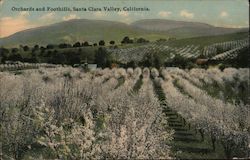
pixel 95 30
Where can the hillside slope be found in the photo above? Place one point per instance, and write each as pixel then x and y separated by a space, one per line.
pixel 183 29
pixel 72 31
pixel 95 30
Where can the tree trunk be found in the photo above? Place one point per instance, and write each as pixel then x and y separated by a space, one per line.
pixel 202 134
pixel 213 139
pixel 227 149
pixel 184 121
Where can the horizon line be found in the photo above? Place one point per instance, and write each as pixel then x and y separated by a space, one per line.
pixel 129 23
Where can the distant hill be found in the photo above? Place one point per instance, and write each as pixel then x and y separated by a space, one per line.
pixel 95 30
pixel 166 25
pixel 183 29
pixel 72 31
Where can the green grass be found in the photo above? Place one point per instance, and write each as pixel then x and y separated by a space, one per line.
pixel 187 142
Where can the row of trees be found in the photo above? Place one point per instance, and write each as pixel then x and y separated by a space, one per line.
pixel 127 40
pixel 26 48
pixel 226 122
pixel 46 116
pixel 105 59
pixel 155 60
pixel 50 53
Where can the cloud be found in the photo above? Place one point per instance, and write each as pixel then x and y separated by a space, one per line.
pixel 24 13
pixel 164 13
pixel 125 17
pixel 123 14
pixel 126 20
pixel 99 14
pixel 71 16
pixel 186 14
pixel 48 16
pixel 11 25
pixel 223 14
pixel 234 26
pixel 138 14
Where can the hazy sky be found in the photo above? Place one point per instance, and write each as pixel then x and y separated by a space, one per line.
pixel 226 13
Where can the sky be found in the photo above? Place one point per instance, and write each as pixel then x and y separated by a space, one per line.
pixel 222 13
